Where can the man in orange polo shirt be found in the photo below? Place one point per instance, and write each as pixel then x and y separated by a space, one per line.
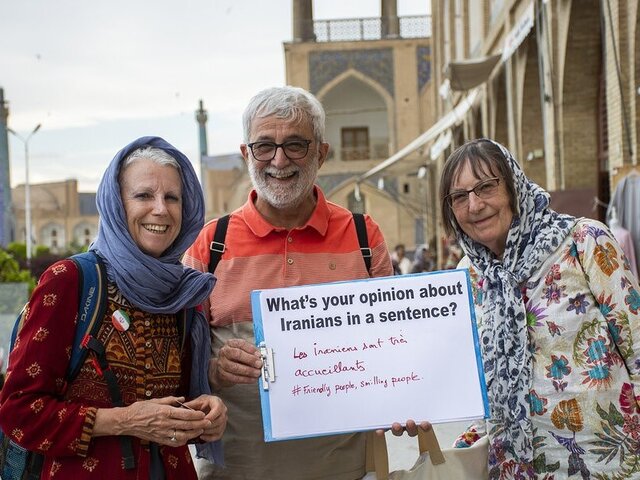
pixel 286 234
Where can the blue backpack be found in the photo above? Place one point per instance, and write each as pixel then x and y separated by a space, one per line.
pixel 17 463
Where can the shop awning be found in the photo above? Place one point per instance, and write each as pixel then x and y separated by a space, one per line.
pixel 467 74
pixel 445 123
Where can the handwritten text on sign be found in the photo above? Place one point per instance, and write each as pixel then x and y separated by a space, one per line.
pixel 361 355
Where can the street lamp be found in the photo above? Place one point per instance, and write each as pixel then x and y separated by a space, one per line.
pixel 27 193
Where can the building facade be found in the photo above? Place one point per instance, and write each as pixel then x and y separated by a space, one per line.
pixel 61 217
pixel 554 81
pixel 562 96
pixel 373 77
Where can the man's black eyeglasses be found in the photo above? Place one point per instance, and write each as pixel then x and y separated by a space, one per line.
pixel 266 151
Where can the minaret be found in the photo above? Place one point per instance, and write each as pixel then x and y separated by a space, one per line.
pixel 201 118
pixel 6 214
pixel 390 21
pixel 303 21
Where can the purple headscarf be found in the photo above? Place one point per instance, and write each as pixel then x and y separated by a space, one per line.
pixel 155 285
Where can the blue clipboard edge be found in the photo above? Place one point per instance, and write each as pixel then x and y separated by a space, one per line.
pixel 259 337
pixel 258 332
pixel 476 342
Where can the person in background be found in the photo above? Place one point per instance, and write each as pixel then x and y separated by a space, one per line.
pixel 423 261
pixel 401 264
pixel 151 209
pixel 286 234
pixel 453 254
pixel 558 315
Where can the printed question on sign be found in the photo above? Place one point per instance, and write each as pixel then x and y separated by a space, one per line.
pixel 281 304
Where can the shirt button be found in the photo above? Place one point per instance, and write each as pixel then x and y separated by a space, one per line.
pixel 290 261
pixel 148 393
pixel 147 366
pixel 148 344
pixel 147 323
pixel 289 239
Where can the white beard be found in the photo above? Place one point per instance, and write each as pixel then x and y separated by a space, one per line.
pixel 283 196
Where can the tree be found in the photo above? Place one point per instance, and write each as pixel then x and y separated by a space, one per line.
pixel 17 250
pixel 14 292
pixel 10 270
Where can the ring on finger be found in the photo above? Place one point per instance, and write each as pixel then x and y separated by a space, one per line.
pixel 173 438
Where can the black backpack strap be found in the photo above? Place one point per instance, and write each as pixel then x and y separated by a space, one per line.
pixel 363 239
pixel 184 319
pixel 34 467
pixel 217 247
pixel 93 303
pixel 92 298
pixel 102 367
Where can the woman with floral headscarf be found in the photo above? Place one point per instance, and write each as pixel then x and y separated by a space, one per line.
pixel 558 314
pixel 151 209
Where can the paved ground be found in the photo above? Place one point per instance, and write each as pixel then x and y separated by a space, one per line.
pixel 403 451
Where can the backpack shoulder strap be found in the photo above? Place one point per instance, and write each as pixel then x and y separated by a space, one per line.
pixel 92 285
pixel 185 319
pixel 217 247
pixel 91 309
pixel 363 239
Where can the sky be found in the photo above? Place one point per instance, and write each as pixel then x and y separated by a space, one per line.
pixel 98 74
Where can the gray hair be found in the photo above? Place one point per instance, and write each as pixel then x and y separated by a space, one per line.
pixel 154 154
pixel 288 103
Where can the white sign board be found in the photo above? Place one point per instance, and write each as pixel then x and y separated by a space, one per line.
pixel 360 355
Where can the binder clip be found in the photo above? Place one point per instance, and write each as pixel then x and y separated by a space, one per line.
pixel 268 368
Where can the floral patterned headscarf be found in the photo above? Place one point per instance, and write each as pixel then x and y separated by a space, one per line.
pixel 536 231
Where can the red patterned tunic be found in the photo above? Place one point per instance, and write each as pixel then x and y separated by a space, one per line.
pixel 39 413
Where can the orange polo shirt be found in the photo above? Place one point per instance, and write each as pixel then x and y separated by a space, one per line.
pixel 261 256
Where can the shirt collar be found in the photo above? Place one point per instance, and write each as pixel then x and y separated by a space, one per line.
pixel 319 219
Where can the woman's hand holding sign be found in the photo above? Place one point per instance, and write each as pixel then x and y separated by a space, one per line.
pixel 411 427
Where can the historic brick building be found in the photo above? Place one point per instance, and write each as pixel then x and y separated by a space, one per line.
pixel 60 215
pixel 373 76
pixel 555 81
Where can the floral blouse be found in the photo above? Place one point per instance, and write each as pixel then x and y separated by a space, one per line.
pixel 39 412
pixel 583 320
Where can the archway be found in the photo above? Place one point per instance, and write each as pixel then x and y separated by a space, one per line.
pixel 531 128
pixel 359 118
pixel 580 94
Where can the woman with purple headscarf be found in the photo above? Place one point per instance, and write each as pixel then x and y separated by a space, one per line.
pixel 151 209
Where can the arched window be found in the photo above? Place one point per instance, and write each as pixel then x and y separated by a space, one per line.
pixel 53 236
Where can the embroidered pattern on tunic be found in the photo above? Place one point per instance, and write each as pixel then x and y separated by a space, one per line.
pixel 145 360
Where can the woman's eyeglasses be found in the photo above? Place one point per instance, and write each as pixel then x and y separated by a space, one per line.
pixel 266 151
pixel 484 189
